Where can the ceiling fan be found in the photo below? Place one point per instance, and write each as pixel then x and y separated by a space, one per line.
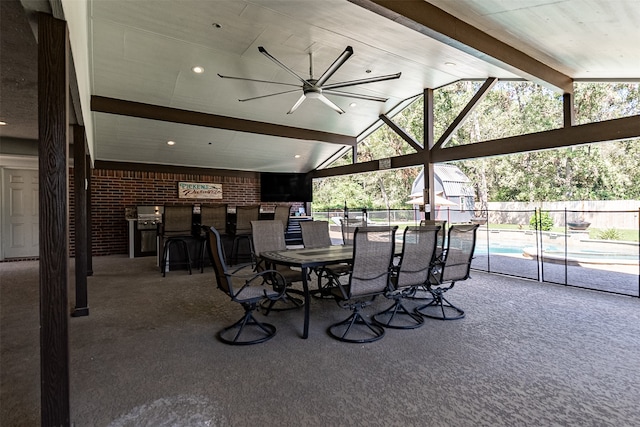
pixel 317 88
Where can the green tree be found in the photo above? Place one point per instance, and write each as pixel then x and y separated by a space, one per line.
pixel 597 171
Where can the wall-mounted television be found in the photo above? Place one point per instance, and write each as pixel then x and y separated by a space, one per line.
pixel 285 187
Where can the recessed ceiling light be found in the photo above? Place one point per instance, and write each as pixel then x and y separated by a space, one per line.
pixel 450 64
pixel 171 143
pixel 3 123
pixel 198 69
pixel 297 156
pixel 352 105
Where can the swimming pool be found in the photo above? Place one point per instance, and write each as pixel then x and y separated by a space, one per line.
pixel 625 255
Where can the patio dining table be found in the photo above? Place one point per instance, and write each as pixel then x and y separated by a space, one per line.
pixel 309 258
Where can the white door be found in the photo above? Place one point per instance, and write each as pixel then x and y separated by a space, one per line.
pixel 20 230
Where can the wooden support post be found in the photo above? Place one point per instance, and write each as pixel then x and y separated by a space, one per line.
pixel 569 112
pixel 53 118
pixel 80 220
pixel 89 223
pixel 429 141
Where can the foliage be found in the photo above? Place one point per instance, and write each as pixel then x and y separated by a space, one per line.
pixel 544 221
pixel 602 171
pixel 609 234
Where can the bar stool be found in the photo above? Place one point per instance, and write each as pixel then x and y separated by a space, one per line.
pixel 282 213
pixel 176 230
pixel 211 216
pixel 242 229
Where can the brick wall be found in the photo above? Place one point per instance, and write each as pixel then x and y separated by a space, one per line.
pixel 113 190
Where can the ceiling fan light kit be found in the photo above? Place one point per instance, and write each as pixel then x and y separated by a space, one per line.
pixel 317 88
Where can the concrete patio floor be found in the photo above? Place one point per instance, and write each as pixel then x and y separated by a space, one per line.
pixel 526 353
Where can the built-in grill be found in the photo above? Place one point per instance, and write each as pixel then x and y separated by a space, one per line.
pixel 146 237
pixel 148 217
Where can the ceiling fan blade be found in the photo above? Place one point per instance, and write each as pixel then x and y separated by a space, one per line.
pixel 362 81
pixel 266 96
pixel 334 67
pixel 356 95
pixel 255 80
pixel 297 104
pixel 284 67
pixel 328 102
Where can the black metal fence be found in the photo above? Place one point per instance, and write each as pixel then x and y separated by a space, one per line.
pixel 550 246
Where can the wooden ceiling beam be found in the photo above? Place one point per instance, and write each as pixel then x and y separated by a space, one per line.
pixel 398 162
pixel 462 117
pixel 609 130
pixel 440 25
pixel 102 104
pixel 402 133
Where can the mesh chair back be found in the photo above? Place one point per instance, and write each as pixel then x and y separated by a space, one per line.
pixel 373 249
pixel 443 229
pixel 214 216
pixel 244 216
pixel 348 229
pixel 177 219
pixel 460 247
pixel 268 236
pixel 315 234
pixel 418 253
pixel 217 260
pixel 281 213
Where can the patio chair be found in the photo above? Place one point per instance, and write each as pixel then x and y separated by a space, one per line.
pixel 454 268
pixel 348 227
pixel 442 223
pixel 315 234
pixel 176 230
pixel 373 250
pixel 421 292
pixel 267 284
pixel 418 252
pixel 241 230
pixel 268 235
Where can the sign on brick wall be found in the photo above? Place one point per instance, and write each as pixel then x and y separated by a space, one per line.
pixel 195 190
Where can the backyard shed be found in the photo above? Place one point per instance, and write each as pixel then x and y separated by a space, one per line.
pixel 453 185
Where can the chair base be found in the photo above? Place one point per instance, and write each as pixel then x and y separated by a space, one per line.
pixel 419 293
pixel 340 330
pixel 288 302
pixel 173 241
pixel 248 325
pixel 398 317
pixel 438 308
pixel 324 290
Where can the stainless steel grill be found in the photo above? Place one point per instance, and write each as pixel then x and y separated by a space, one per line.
pixel 147 220
pixel 148 217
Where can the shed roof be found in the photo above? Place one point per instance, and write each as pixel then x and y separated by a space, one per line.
pixel 452 180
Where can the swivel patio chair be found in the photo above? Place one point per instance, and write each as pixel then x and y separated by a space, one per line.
pixel 241 230
pixel 348 227
pixel 267 284
pixel 445 274
pixel 268 235
pixel 211 216
pixel 421 292
pixel 315 234
pixel 418 253
pixel 373 249
pixel 176 231
pixel 442 223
